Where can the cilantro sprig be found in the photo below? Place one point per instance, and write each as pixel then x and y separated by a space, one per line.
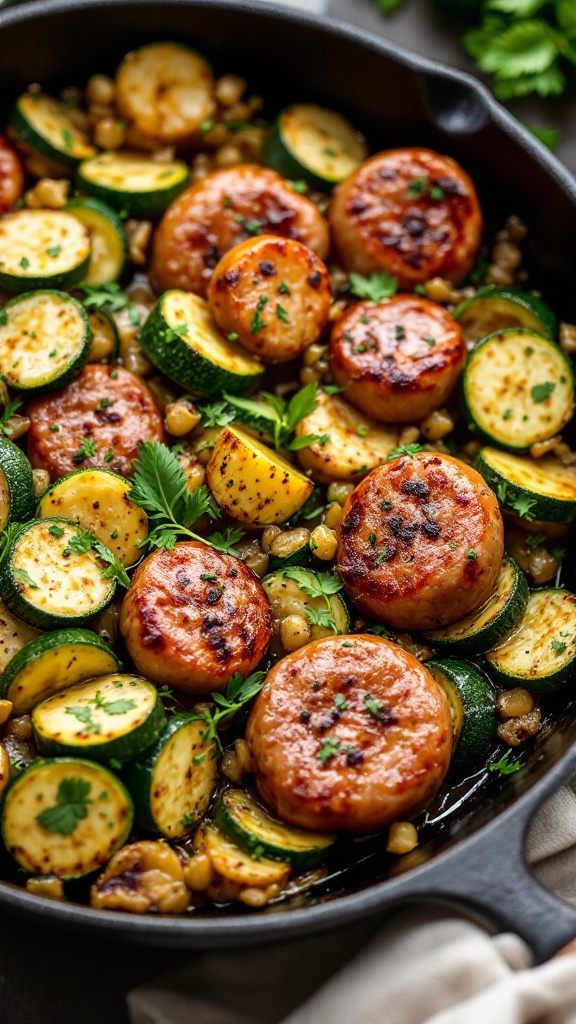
pixel 278 419
pixel 160 488
pixel 109 296
pixel 505 766
pixel 239 691
pixel 376 287
pixel 72 802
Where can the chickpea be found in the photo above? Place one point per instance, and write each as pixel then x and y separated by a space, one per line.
pixel 139 233
pixel 323 542
pixel 198 872
pixel 295 632
pixel 437 425
pixel 100 89
pixel 5 711
pixel 228 155
pixel 402 837
pixel 339 491
pixel 20 728
pixel 514 703
pixel 268 536
pixel 41 481
pixel 229 90
pixel 333 515
pixel 109 133
pixel 313 354
pixel 181 417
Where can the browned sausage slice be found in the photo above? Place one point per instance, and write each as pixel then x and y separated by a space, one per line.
pixel 221 210
pixel 398 359
pixel 193 616
pixel 99 419
pixel 274 293
pixel 11 177
pixel 421 542
pixel 411 212
pixel 350 733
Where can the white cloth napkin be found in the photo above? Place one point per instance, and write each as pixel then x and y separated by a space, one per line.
pixel 423 966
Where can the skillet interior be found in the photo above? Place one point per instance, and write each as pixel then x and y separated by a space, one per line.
pixel 397 100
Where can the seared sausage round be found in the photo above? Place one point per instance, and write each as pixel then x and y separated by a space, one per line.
pixel 106 409
pixel 398 359
pixel 11 177
pixel 421 542
pixel 193 616
pixel 411 212
pixel 221 210
pixel 274 293
pixel 350 733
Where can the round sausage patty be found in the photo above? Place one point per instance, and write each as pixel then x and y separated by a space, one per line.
pixel 421 542
pixel 350 733
pixel 99 419
pixel 411 212
pixel 219 211
pixel 193 616
pixel 11 176
pixel 398 359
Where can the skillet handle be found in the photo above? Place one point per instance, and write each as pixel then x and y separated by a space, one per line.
pixel 490 877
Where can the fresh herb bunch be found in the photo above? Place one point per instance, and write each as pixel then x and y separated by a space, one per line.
pixel 278 419
pixel 160 488
pixel 528 46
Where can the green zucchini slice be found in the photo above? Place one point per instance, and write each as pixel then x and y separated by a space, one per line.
pixel 14 635
pixel 51 663
pixel 235 864
pixel 133 183
pixel 496 619
pixel 252 828
pixel 493 309
pixel 111 718
pixel 517 389
pixel 51 578
pixel 473 710
pixel 98 500
pixel 42 249
pixel 544 487
pixel 172 783
pixel 105 345
pixel 65 817
pixel 541 654
pixel 45 124
pixel 289 593
pixel 290 548
pixel 182 340
pixel 314 143
pixel 17 496
pixel 45 340
pixel 109 245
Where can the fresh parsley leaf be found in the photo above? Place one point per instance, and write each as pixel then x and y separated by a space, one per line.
pixel 505 766
pixel 113 707
pixel 189 819
pixel 216 414
pixel 375 708
pixel 115 569
pixel 79 543
pixel 535 541
pixel 87 450
pixel 376 287
pixel 83 714
pixel 239 691
pixel 278 419
pixel 418 187
pixel 558 553
pixel 72 801
pixel 109 295
pixel 558 646
pixel 225 541
pixel 540 392
pixel 502 491
pixel 7 413
pixel 523 506
pixel 321 617
pixel 407 449
pixel 329 749
pixel 23 576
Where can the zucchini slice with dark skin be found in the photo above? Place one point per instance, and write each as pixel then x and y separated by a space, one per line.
pixel 111 718
pixel 45 339
pixel 105 345
pixel 517 388
pixel 541 654
pixel 42 249
pixel 493 309
pixel 173 781
pixel 65 817
pixel 17 497
pixel 98 500
pixel 234 863
pixel 254 829
pixel 290 548
pixel 314 143
pixel 182 340
pixel 543 487
pixel 497 617
pixel 109 245
pixel 472 708
pixel 132 183
pixel 45 125
pixel 50 577
pixel 53 662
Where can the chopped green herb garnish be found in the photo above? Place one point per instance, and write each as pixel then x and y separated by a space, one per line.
pixel 540 392
pixel 72 801
pixel 329 749
pixel 377 286
pixel 505 766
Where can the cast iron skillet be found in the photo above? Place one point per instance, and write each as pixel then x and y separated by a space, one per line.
pixel 477 859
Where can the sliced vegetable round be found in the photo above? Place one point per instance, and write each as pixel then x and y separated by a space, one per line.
pixel 98 500
pixel 50 578
pixel 233 863
pixel 493 309
pixel 166 89
pixel 45 124
pixel 135 184
pixel 541 654
pixel 290 548
pixel 292 592
pixel 314 143
pixel 105 345
pixel 45 340
pixel 111 718
pixel 17 497
pixel 517 388
pixel 473 710
pixel 544 488
pixel 51 663
pixel 172 782
pixel 246 823
pixel 14 635
pixel 497 617
pixel 109 245
pixel 182 340
pixel 42 249
pixel 65 817
pixel 252 483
